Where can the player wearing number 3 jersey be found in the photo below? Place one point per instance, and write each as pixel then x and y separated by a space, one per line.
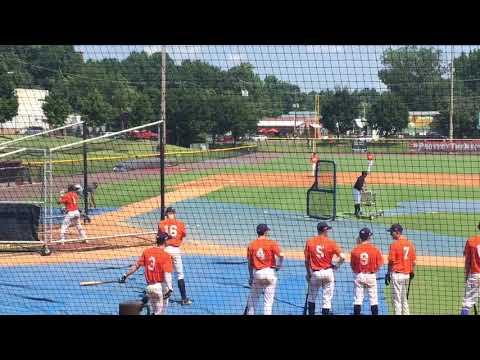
pixel 176 229
pixel 262 255
pixel 319 253
pixel 401 264
pixel 365 260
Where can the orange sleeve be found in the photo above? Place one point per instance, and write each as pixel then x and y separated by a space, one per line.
pixel 337 249
pixel 276 248
pixel 352 261
pixel 306 252
pixel 141 260
pixel 168 264
pixel 465 249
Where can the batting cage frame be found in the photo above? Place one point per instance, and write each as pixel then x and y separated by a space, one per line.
pixel 323 190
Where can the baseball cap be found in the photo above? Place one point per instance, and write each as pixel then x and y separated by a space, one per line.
pixel 262 229
pixel 395 228
pixel 322 226
pixel 365 233
pixel 170 210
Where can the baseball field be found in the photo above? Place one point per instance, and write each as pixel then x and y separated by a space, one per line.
pixel 222 196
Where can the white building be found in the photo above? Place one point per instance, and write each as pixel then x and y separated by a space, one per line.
pixel 30 112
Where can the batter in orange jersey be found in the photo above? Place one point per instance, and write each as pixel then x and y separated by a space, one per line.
pixel 72 216
pixel 158 274
pixel 319 253
pixel 262 256
pixel 401 264
pixel 472 273
pixel 177 230
pixel 365 260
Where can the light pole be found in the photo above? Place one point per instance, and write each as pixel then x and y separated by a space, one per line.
pixel 295 106
pixel 452 72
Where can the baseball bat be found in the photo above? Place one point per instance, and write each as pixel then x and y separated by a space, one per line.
pixel 306 300
pixel 475 309
pixel 408 289
pixel 98 282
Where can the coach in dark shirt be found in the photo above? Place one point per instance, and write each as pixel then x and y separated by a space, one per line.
pixel 357 191
pixel 91 194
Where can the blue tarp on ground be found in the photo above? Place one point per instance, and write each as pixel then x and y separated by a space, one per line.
pixel 217 285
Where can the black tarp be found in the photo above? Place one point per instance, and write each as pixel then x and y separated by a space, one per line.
pixel 19 221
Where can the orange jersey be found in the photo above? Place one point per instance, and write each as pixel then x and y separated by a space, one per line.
pixel 261 253
pixel 366 258
pixel 319 252
pixel 156 262
pixel 314 159
pixel 402 255
pixel 175 228
pixel 70 200
pixel 472 255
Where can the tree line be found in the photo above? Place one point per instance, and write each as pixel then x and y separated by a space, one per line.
pixel 203 99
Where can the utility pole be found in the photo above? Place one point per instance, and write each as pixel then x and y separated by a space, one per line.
pixel 162 137
pixel 452 72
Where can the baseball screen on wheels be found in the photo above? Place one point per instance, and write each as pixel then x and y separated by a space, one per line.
pixel 321 197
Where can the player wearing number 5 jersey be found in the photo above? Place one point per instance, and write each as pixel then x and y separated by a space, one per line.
pixel 472 273
pixel 365 260
pixel 262 255
pixel 401 264
pixel 158 274
pixel 319 253
pixel 176 229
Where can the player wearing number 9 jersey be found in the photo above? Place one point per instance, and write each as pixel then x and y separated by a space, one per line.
pixel 319 253
pixel 158 274
pixel 365 260
pixel 472 273
pixel 401 264
pixel 262 255
pixel 176 229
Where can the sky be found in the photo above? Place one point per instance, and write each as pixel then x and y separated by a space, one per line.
pixel 311 67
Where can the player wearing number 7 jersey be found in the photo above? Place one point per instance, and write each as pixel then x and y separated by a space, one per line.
pixel 472 273
pixel 401 264
pixel 176 229
pixel 319 253
pixel 262 255
pixel 365 260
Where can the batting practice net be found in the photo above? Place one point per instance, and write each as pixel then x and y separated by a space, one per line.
pixel 241 126
pixel 321 197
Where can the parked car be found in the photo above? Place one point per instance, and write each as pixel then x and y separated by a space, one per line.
pixel 259 138
pixel 435 135
pixel 143 135
pixel 32 130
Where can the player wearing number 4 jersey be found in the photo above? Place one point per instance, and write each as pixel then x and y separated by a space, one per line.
pixel 472 273
pixel 262 255
pixel 176 229
pixel 158 274
pixel 365 260
pixel 401 264
pixel 319 253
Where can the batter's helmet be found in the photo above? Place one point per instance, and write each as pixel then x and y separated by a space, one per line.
pixel 262 229
pixel 170 210
pixel 365 233
pixel 395 228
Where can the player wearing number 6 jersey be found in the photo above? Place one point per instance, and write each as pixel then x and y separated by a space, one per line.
pixel 365 260
pixel 401 264
pixel 176 229
pixel 262 255
pixel 158 274
pixel 319 253
pixel 472 273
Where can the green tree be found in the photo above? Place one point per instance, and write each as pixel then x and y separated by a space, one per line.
pixel 340 108
pixel 141 112
pixel 56 109
pixel 416 75
pixel 388 114
pixel 97 111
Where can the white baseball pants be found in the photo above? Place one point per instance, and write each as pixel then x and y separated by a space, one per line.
pixel 357 196
pixel 366 282
pixel 322 279
pixel 72 217
pixel 157 304
pixel 472 291
pixel 399 293
pixel 263 280
pixel 177 260
pixel 313 169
